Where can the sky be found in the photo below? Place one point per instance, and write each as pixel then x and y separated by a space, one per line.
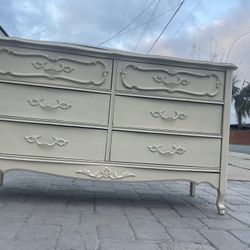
pixel 211 30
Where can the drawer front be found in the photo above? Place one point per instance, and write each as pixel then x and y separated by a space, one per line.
pixel 53 104
pixel 170 81
pixel 165 149
pixel 167 115
pixel 52 141
pixel 54 68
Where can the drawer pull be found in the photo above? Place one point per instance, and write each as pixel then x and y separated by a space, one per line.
pixel 165 116
pixel 40 102
pixel 56 141
pixel 175 150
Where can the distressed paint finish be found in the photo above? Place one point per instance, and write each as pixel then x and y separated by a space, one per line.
pixel 99 114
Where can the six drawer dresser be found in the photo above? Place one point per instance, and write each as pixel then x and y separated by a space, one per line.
pixel 102 114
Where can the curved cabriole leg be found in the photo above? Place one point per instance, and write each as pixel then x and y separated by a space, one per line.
pixel 1 178
pixel 219 203
pixel 192 188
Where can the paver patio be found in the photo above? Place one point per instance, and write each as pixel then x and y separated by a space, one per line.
pixel 39 211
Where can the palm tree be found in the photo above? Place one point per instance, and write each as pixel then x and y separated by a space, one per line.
pixel 241 98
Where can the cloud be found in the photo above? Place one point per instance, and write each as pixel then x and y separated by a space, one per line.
pixel 207 33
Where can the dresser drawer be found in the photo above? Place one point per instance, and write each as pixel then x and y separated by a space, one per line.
pixel 53 104
pixel 52 141
pixel 167 115
pixel 170 81
pixel 38 66
pixel 165 149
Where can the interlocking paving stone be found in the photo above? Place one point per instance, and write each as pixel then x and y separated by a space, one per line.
pixel 225 224
pixel 223 240
pixel 34 232
pixel 242 217
pixel 243 235
pixel 147 228
pixel 189 211
pixel 185 246
pixel 54 218
pixel 27 244
pixel 80 237
pixel 114 232
pixel 39 211
pixel 128 245
pixel 172 222
pixel 187 235
pixel 9 230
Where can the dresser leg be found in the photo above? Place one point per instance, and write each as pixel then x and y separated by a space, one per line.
pixel 1 178
pixel 192 188
pixel 219 203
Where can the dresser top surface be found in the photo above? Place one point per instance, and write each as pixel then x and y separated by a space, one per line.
pixel 110 53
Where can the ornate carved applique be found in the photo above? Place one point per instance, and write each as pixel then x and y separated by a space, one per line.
pixel 40 102
pixel 179 81
pixel 56 141
pixel 53 68
pixel 105 173
pixel 169 86
pixel 166 116
pixel 158 148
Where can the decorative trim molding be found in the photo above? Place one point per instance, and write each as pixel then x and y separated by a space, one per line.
pixel 47 106
pixel 158 148
pixel 105 173
pixel 51 71
pixel 166 84
pixel 166 116
pixel 56 141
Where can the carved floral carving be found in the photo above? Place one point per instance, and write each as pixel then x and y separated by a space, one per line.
pixel 52 69
pixel 166 116
pixel 174 150
pixel 36 139
pixel 168 85
pixel 105 173
pixel 40 102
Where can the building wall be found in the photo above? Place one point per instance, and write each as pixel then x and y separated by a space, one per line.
pixel 241 137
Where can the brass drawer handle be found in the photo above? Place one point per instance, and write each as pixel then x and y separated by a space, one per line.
pixel 166 116
pixel 174 150
pixel 36 139
pixel 48 106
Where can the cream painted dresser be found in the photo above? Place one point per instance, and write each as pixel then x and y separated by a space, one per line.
pixel 100 114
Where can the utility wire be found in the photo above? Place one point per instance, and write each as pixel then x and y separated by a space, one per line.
pixel 35 33
pixel 125 12
pixel 142 34
pixel 170 20
pixel 188 16
pixel 140 25
pixel 133 20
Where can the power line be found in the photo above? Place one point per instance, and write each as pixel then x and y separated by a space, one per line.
pixel 134 19
pixel 125 12
pixel 140 25
pixel 35 33
pixel 147 25
pixel 156 40
pixel 188 16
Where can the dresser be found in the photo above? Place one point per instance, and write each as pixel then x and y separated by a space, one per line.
pixel 100 114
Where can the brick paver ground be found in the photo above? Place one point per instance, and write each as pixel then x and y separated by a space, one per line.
pixel 45 212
